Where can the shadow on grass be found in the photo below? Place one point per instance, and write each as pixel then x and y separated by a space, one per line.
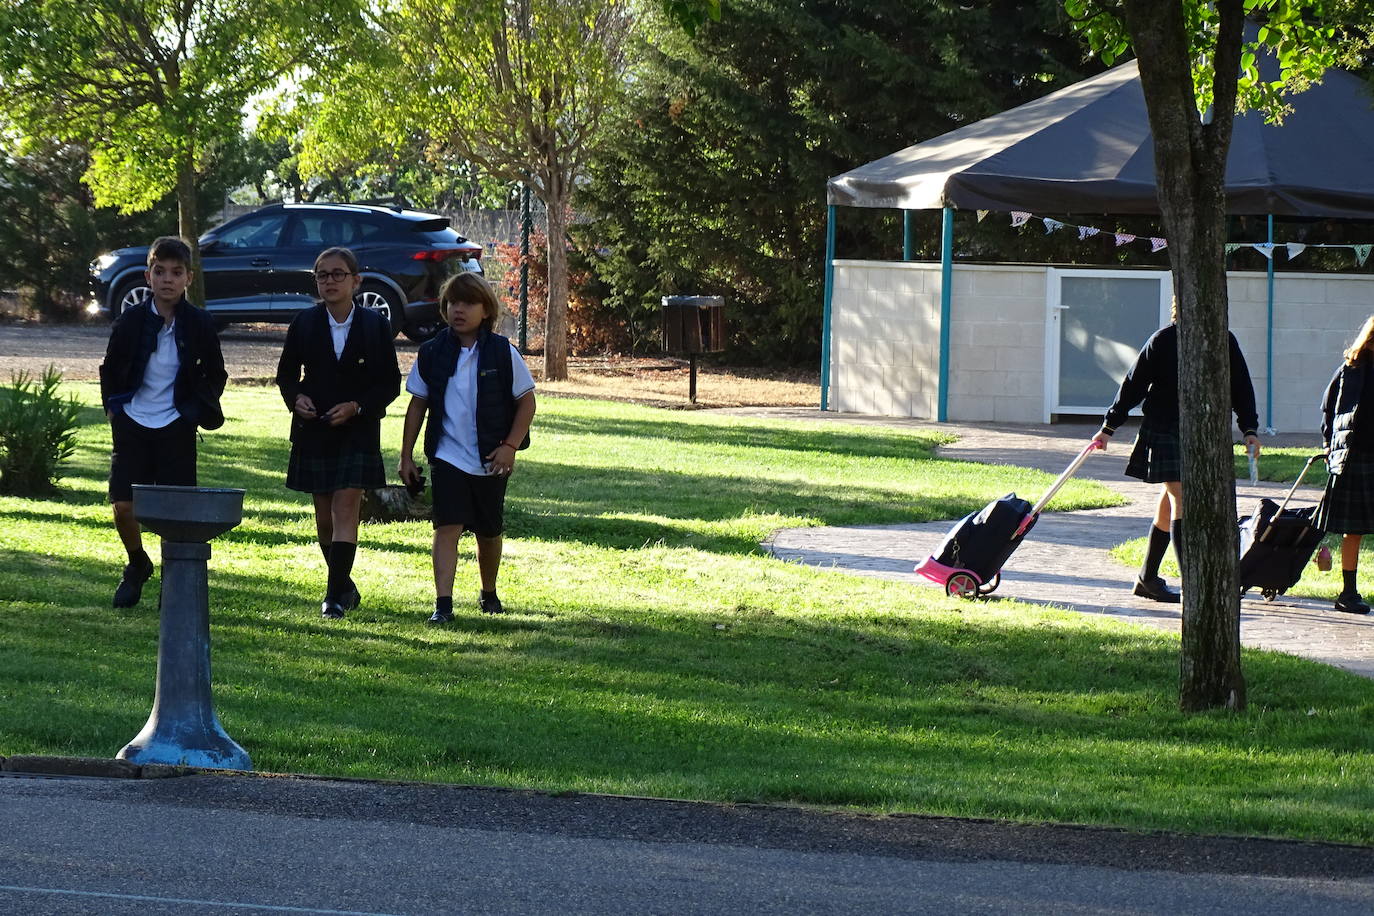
pixel 852 443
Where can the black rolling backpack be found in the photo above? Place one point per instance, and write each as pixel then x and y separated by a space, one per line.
pixel 1276 542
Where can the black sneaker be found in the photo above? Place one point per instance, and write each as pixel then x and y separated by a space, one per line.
pixel 1351 603
pixel 490 605
pixel 350 599
pixel 1156 590
pixel 130 587
pixel 331 610
pixel 440 617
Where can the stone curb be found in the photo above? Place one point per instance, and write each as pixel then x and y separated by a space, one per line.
pixel 98 767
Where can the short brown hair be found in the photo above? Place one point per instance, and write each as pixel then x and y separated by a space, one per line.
pixel 170 248
pixel 348 257
pixel 471 287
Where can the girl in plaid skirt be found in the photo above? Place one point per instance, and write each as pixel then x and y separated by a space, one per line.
pixel 1347 507
pixel 1157 456
pixel 337 374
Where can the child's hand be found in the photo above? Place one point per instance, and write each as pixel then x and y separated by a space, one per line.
pixel 340 414
pixel 502 459
pixel 305 408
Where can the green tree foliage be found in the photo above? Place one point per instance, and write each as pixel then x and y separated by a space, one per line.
pixel 714 175
pixel 1196 69
pixel 152 86
pixel 518 88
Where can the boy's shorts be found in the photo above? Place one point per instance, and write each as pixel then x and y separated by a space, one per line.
pixel 159 456
pixel 476 503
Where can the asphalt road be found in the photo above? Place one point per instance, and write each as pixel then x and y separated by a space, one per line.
pixel 218 845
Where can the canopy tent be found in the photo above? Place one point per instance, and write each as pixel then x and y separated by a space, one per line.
pixel 1088 149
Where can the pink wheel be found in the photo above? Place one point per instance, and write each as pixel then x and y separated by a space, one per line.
pixel 961 585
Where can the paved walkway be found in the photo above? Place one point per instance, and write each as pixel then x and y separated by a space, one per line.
pixel 1065 560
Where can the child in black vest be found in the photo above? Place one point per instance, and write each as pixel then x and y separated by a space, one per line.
pixel 337 374
pixel 479 399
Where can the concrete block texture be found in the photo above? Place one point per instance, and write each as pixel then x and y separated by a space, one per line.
pixel 103 767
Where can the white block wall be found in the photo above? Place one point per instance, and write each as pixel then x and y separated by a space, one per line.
pixel 885 343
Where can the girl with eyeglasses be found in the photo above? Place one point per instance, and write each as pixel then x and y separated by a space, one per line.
pixel 337 374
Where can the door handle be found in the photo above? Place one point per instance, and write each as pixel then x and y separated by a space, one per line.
pixel 261 262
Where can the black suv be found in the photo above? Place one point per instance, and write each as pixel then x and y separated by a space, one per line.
pixel 259 266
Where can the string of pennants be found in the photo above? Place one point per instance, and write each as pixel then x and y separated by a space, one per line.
pixel 1292 249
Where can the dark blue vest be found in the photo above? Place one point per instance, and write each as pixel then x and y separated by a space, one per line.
pixel 438 360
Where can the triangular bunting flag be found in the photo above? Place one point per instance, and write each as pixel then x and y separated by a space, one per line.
pixel 1157 243
pixel 1294 249
pixel 1362 253
pixel 1233 246
pixel 1123 238
pixel 1086 232
pixel 1051 225
pixel 1264 248
pixel 1019 217
pixel 981 215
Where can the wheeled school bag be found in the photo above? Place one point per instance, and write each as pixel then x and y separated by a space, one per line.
pixel 1277 542
pixel 969 561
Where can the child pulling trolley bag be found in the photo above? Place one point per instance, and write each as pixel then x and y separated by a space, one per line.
pixel 969 561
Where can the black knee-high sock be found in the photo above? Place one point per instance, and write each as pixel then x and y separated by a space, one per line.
pixel 341 555
pixel 1348 579
pixel 1154 553
pixel 348 586
pixel 1176 534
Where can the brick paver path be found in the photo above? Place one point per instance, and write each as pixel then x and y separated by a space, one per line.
pixel 1064 561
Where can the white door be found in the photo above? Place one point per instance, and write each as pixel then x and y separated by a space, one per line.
pixel 1097 322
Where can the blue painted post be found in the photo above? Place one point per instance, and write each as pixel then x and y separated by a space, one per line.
pixel 1269 338
pixel 908 235
pixel 829 294
pixel 946 291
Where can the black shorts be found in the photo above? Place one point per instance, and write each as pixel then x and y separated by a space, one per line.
pixel 164 456
pixel 478 503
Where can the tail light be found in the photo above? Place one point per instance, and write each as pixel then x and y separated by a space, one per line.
pixel 444 254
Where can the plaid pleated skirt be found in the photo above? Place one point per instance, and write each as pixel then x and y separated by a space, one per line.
pixel 1347 506
pixel 1156 456
pixel 325 472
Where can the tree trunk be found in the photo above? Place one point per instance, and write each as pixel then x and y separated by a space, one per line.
pixel 556 316
pixel 1190 162
pixel 188 225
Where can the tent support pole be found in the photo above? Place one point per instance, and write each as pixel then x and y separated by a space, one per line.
pixel 908 235
pixel 829 295
pixel 946 296
pixel 1269 337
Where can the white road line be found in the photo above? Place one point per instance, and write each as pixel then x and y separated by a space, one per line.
pixel 224 903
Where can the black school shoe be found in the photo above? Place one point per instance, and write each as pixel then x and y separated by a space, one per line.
pixel 1156 590
pixel 1351 603
pixel 490 605
pixel 331 610
pixel 130 587
pixel 440 617
pixel 350 599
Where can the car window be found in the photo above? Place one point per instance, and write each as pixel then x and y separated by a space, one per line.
pixel 254 232
pixel 325 230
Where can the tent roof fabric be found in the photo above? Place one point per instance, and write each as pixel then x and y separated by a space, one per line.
pixel 1088 149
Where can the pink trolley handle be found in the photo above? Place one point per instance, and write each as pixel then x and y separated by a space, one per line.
pixel 1092 446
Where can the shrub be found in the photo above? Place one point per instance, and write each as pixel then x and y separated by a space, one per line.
pixel 37 432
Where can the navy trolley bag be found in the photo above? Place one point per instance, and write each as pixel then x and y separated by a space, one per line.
pixel 969 560
pixel 1276 543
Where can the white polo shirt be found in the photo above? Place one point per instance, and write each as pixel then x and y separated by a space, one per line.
pixel 153 405
pixel 338 330
pixel 458 441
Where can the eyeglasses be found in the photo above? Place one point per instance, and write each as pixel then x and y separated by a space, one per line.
pixel 338 276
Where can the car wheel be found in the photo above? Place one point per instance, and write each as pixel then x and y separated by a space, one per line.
pixel 382 299
pixel 420 332
pixel 132 292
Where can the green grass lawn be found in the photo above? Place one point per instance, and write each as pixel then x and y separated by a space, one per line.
pixel 652 648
